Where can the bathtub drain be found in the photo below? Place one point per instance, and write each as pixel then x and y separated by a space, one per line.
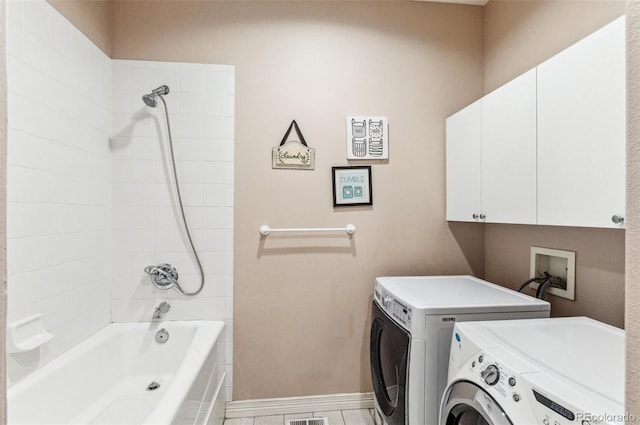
pixel 153 386
pixel 162 336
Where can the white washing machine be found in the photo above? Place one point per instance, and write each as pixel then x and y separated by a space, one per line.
pixel 412 321
pixel 535 372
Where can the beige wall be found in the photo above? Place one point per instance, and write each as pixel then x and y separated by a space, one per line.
pixel 600 256
pixel 301 310
pixel 518 35
pixel 93 18
pixel 633 209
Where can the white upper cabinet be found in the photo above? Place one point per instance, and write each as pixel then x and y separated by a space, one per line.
pixel 491 156
pixel 548 147
pixel 509 152
pixel 464 132
pixel 581 132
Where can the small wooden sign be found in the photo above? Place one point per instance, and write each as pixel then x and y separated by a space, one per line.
pixel 293 154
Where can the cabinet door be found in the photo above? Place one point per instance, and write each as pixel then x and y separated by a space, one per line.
pixel 464 132
pixel 581 131
pixel 509 152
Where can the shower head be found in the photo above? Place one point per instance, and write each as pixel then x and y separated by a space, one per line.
pixel 150 98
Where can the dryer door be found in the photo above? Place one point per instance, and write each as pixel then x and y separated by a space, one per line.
pixel 465 403
pixel 388 352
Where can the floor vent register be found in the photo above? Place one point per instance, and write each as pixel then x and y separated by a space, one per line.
pixel 310 421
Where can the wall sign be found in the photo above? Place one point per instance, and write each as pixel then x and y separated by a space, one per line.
pixel 352 186
pixel 367 138
pixel 294 154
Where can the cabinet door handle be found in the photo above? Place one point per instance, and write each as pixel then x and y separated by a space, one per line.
pixel 482 216
pixel 617 219
pixel 475 216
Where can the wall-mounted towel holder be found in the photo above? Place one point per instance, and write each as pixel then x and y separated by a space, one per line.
pixel 349 228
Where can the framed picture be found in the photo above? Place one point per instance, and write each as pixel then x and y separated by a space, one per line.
pixel 352 186
pixel 367 138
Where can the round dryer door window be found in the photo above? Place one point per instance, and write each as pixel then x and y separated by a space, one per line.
pixel 467 404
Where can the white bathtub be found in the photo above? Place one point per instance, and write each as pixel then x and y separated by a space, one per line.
pixel 104 379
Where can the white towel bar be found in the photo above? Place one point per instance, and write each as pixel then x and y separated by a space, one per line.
pixel 350 229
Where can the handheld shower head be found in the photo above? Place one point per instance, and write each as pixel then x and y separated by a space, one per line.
pixel 150 98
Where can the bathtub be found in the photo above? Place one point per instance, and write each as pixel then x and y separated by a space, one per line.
pixel 105 379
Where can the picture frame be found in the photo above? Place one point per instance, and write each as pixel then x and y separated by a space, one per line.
pixel 367 138
pixel 352 185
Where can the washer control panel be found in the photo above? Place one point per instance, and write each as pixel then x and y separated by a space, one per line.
pixel 550 409
pixel 528 393
pixel 496 376
pixel 521 392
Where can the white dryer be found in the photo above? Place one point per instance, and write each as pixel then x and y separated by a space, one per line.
pixel 412 321
pixel 535 372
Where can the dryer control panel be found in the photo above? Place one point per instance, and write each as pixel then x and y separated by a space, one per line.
pixel 394 307
pixel 401 312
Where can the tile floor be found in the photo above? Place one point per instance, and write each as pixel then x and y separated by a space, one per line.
pixel 336 417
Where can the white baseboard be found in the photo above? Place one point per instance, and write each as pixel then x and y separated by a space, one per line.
pixel 307 404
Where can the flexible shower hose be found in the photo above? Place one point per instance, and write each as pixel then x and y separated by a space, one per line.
pixel 181 207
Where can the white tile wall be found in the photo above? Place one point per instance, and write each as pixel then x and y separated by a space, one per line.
pixel 89 205
pixel 59 180
pixel 147 225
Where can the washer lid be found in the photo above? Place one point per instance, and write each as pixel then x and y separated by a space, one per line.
pixel 577 350
pixel 458 294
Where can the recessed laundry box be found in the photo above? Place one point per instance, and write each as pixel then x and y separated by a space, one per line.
pixel 412 319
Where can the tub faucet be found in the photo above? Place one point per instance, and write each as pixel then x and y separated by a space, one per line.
pixel 161 309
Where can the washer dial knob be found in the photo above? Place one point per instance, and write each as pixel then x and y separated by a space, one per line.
pixel 491 374
pixel 387 301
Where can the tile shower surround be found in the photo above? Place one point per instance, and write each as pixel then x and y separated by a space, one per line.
pixel 89 205
pixel 58 181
